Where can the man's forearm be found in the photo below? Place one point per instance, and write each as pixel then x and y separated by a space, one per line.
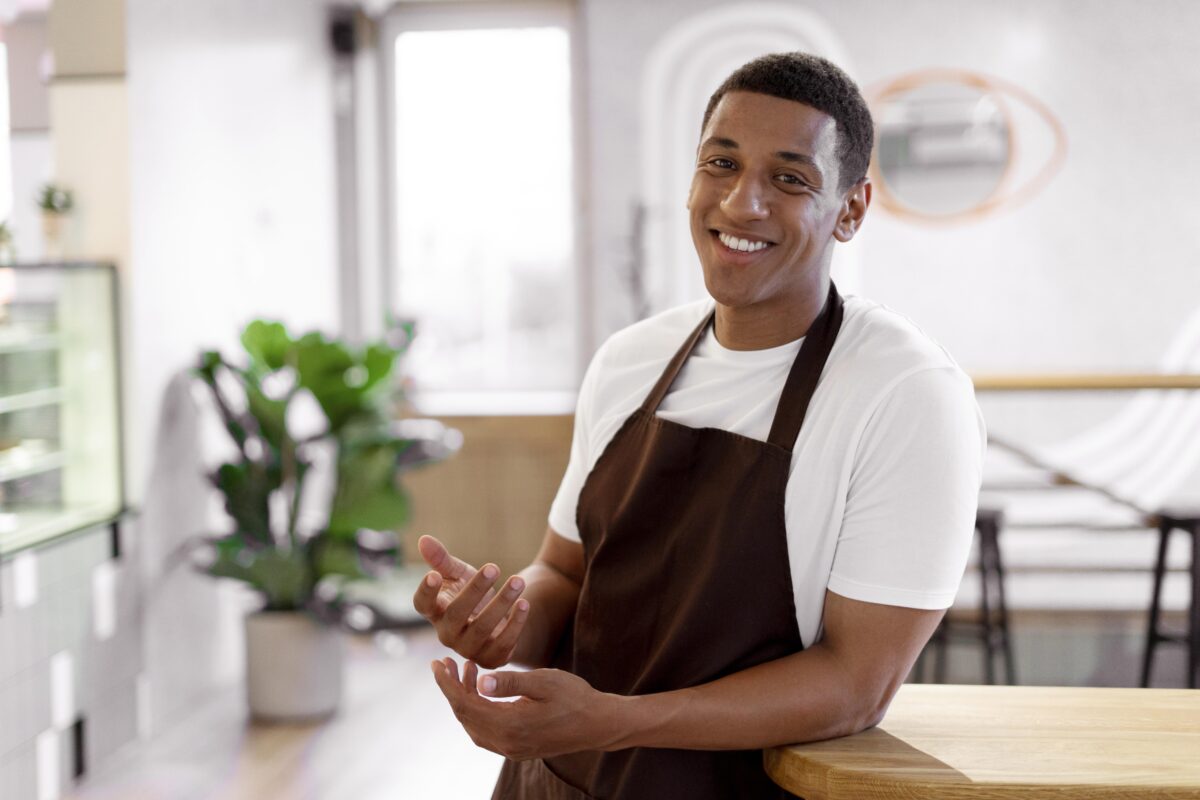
pixel 803 697
pixel 552 598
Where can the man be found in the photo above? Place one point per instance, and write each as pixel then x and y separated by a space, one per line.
pixel 769 503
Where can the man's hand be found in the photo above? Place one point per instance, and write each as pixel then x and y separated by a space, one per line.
pixel 555 713
pixel 471 616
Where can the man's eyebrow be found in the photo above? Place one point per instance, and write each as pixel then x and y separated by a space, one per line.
pixel 720 141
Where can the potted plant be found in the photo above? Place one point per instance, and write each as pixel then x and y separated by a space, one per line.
pixel 8 250
pixel 55 203
pixel 296 541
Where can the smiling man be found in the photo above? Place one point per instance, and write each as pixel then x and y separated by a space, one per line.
pixel 769 503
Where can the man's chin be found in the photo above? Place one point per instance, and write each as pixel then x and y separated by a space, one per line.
pixel 729 297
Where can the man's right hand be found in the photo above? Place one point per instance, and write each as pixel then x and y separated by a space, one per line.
pixel 471 616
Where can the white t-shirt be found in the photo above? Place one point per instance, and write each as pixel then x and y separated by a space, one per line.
pixel 885 475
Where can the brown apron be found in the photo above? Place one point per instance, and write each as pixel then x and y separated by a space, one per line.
pixel 687 580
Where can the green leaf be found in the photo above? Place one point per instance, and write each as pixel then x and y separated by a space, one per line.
pixel 282 576
pixel 232 559
pixel 367 495
pixel 336 557
pixel 285 577
pixel 268 344
pixel 378 359
pixel 247 488
pixel 271 415
pixel 210 362
pixel 345 384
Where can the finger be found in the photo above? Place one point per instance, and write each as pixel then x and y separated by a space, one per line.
pixel 532 684
pixel 425 599
pixel 451 668
pixel 470 678
pixel 459 612
pixel 486 625
pixel 501 646
pixel 449 686
pixel 437 556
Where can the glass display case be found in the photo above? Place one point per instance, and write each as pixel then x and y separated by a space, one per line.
pixel 60 437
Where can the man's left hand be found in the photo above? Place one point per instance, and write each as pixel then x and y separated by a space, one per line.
pixel 555 712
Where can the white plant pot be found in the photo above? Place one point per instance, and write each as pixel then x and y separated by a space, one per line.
pixel 293 666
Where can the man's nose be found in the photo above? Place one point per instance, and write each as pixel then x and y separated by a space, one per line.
pixel 746 199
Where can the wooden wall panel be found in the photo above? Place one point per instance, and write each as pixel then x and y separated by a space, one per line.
pixel 489 502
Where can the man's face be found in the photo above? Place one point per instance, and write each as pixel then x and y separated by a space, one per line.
pixel 764 200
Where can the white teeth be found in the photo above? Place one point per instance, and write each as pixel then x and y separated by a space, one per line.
pixel 744 245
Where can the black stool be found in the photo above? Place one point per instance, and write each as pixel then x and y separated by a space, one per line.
pixel 1168 522
pixel 991 628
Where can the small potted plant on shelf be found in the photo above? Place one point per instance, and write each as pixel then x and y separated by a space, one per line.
pixel 297 541
pixel 8 251
pixel 55 202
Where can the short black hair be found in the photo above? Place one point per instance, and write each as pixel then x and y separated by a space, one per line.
pixel 816 82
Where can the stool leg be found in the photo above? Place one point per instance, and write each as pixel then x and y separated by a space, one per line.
pixel 1194 610
pixel 1160 567
pixel 985 573
pixel 1010 669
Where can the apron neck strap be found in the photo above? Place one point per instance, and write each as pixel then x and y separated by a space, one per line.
pixel 806 371
pixel 655 398
pixel 801 380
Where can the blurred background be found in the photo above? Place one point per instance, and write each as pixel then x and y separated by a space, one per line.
pixel 509 178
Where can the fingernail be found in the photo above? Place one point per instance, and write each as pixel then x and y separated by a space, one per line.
pixel 522 605
pixel 517 585
pixel 487 685
pixel 430 580
pixel 490 572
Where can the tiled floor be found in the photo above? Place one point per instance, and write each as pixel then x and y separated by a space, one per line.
pixel 395 737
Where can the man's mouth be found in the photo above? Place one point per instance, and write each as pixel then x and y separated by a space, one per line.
pixel 740 245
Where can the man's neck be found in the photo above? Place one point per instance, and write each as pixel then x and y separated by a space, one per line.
pixel 772 323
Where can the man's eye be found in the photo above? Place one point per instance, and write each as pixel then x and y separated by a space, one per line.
pixel 792 179
pixel 721 163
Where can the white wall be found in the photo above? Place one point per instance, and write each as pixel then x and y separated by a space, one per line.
pixel 233 184
pixel 1095 272
pixel 233 217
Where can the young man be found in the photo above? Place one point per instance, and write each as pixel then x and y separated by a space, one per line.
pixel 769 503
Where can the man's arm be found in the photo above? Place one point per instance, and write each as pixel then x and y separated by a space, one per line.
pixel 552 587
pixel 840 685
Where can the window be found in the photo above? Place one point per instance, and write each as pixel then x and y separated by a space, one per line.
pixel 483 240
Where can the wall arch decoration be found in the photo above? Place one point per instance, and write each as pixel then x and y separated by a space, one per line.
pixel 683 68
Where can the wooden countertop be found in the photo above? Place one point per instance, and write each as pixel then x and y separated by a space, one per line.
pixel 1085 382
pixel 980 742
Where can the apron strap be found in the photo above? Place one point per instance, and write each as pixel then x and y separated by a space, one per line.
pixel 655 398
pixel 806 371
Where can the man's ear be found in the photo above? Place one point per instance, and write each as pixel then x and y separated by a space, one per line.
pixel 854 210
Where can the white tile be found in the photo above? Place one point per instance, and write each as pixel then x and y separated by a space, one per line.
pixel 62 690
pixel 25 579
pixel 104 600
pixel 48 765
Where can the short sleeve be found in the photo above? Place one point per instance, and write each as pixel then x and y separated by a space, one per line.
pixel 914 486
pixel 562 511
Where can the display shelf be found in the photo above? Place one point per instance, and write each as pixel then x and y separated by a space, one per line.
pixel 27 527
pixel 33 465
pixel 35 399
pixel 60 420
pixel 29 343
